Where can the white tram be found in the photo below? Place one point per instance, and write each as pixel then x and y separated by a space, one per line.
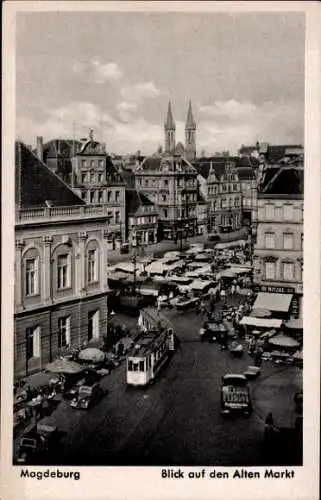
pixel 152 349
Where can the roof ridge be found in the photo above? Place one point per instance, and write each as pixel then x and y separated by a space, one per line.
pixel 52 172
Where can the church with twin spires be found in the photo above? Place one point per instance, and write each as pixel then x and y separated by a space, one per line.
pixel 171 148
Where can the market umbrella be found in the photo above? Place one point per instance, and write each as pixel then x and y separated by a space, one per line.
pixel 92 354
pixel 64 366
pixel 38 379
pixel 283 341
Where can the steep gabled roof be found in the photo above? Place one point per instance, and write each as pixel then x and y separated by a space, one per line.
pixel 246 173
pixel 135 200
pixel 129 178
pixel 283 181
pixel 36 184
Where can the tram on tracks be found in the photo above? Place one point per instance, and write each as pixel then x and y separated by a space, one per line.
pixel 153 348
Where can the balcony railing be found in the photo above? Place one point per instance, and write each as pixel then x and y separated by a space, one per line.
pixel 48 214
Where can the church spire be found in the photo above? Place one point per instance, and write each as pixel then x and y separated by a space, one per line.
pixel 190 123
pixel 190 135
pixel 169 128
pixel 169 124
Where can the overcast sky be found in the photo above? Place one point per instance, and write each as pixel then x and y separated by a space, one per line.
pixel 244 74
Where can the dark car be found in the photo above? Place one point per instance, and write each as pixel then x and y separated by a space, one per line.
pixel 35 443
pixel 87 396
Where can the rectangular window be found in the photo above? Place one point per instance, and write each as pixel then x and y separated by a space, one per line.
pixel 83 178
pixel 93 325
pixel 92 196
pixel 117 196
pixel 117 217
pixel 288 241
pixel 100 178
pixel 109 196
pixel 100 196
pixel 83 195
pixel 31 276
pixel 110 216
pixel 63 332
pixel 165 182
pixel 269 270
pixel 288 212
pixel 269 211
pixel 63 271
pixel 141 366
pixel 32 342
pixel 269 240
pixel 164 197
pixel 129 366
pixel 288 271
pixel 92 178
pixel 92 266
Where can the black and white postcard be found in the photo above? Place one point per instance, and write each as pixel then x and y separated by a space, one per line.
pixel 161 250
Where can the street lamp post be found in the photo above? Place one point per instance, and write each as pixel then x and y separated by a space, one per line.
pixel 134 260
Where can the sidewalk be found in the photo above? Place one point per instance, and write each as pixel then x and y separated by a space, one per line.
pixel 163 246
pixel 274 392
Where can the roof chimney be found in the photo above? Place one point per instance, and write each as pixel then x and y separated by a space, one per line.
pixel 40 147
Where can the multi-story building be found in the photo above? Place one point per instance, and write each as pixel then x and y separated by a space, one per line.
pixel 142 217
pixel 249 189
pixel 220 186
pixel 60 262
pixel 278 253
pixel 169 180
pixel 96 180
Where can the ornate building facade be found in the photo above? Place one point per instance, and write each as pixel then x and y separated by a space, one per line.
pixel 220 186
pixel 60 262
pixel 96 181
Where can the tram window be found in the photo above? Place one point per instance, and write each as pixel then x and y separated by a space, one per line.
pixel 135 367
pixel 141 366
pixel 130 366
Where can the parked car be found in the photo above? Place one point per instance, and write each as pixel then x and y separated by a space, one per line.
pixel 87 396
pixel 235 395
pixel 36 441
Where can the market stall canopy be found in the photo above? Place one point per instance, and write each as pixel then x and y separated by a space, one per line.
pixel 261 313
pixel 92 354
pixel 273 301
pixel 226 274
pixel 230 244
pixel 260 322
pixel 64 366
pixel 295 324
pixel 268 335
pixel 284 341
pixel 240 270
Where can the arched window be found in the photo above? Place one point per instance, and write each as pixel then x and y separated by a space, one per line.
pixel 63 267
pixel 92 262
pixel 31 272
